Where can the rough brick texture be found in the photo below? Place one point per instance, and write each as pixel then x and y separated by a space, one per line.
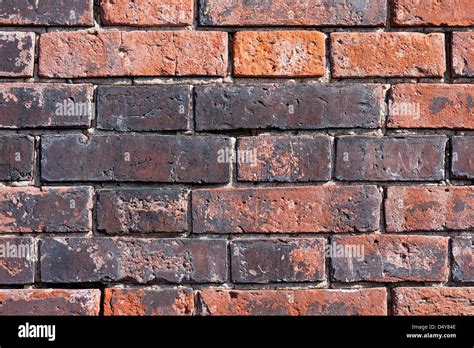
pixel 28 105
pixel 299 209
pixel 132 53
pixel 149 301
pixel 279 53
pixel 16 163
pixel 436 301
pixel 49 302
pixel 431 106
pixel 388 54
pixel 17 50
pixel 236 157
pixel 147 13
pixel 388 159
pixel 294 302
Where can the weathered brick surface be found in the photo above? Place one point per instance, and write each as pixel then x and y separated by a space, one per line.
pixel 429 12
pixel 49 302
pixel 47 209
pixel 141 261
pixel 147 13
pixel 133 158
pixel 429 105
pixel 294 302
pixel 429 208
pixel 284 158
pixel 463 268
pixel 278 260
pixel 17 53
pixel 436 301
pixel 388 54
pixel 279 53
pixel 143 210
pixel 463 55
pixel 16 162
pixel 290 12
pixel 133 53
pixel 149 301
pixel 386 258
pixel 28 105
pixel 462 157
pixel 47 12
pixel 288 209
pixel 390 158
pixel 285 106
pixel 17 260
pixel 148 108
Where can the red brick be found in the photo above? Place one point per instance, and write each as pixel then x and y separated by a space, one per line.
pixel 47 209
pixel 433 12
pixel 290 12
pixel 47 12
pixel 463 54
pixel 142 210
pixel 18 258
pixel 28 105
pixel 49 302
pixel 286 210
pixel 462 160
pixel 294 302
pixel 390 158
pixel 284 158
pixel 131 157
pixel 388 258
pixel 433 301
pixel 147 13
pixel 133 53
pixel 463 262
pixel 429 208
pixel 17 160
pixel 17 54
pixel 388 55
pixel 294 53
pixel 148 301
pixel 278 260
pixel 431 106
pixel 132 260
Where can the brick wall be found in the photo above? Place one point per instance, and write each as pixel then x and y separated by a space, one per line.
pixel 206 157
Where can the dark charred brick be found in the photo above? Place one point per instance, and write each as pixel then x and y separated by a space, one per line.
pixel 148 301
pixel 388 258
pixel 390 158
pixel 47 209
pixel 278 260
pixel 300 106
pixel 433 301
pixel 462 157
pixel 150 108
pixel 143 261
pixel 463 266
pixel 429 208
pixel 49 302
pixel 284 158
pixel 17 54
pixel 27 105
pixel 290 209
pixel 17 260
pixel 294 13
pixel 147 158
pixel 143 210
pixel 294 302
pixel 47 12
pixel 17 157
